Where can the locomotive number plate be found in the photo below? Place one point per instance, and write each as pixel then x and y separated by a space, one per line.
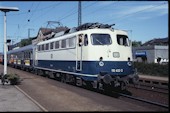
pixel 117 70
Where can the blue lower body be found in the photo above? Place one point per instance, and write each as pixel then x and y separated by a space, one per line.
pixel 89 68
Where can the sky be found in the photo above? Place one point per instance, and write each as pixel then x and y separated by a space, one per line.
pixel 143 20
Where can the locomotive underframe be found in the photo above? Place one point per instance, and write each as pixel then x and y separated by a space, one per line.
pixel 105 80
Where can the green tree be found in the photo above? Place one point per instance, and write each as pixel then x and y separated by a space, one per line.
pixel 25 42
pixel 136 43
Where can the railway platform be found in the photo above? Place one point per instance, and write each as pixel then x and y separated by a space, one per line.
pixel 161 82
pixel 142 76
pixel 11 99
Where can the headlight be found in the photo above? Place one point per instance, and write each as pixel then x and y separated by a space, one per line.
pixel 129 63
pixel 116 54
pixel 101 63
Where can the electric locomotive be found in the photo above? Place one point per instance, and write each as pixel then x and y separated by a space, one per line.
pixel 92 54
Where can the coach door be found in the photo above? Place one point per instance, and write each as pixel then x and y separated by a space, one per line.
pixel 35 62
pixel 79 52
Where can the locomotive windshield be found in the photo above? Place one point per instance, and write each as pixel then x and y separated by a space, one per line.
pixel 122 40
pixel 101 39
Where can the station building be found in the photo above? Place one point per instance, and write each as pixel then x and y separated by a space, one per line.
pixel 153 51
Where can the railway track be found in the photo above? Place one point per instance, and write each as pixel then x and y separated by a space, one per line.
pixel 150 88
pixel 144 100
pixel 156 96
pixel 141 98
pixel 135 98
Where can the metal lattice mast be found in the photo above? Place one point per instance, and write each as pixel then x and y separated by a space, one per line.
pixel 79 13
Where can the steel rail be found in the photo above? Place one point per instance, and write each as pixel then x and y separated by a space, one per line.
pixel 144 100
pixel 149 88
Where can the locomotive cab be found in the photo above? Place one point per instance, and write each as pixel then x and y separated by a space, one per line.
pixel 108 55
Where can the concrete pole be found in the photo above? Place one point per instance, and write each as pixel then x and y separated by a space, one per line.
pixel 5 46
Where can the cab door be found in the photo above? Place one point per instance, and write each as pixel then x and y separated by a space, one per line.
pixel 79 45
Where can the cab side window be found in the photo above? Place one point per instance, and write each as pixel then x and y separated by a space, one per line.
pixel 85 40
pixel 80 40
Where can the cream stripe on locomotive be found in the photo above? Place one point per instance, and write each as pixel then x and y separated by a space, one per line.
pixel 90 52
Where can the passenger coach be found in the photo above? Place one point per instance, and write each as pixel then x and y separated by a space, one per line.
pixel 21 58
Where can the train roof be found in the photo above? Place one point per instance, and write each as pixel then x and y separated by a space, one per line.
pixel 21 49
pixel 101 30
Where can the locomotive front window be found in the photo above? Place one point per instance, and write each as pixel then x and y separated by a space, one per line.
pixel 122 40
pixel 101 39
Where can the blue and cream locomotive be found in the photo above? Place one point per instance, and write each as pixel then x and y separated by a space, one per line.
pixel 91 54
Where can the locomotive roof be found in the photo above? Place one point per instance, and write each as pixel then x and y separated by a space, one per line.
pixel 21 49
pixel 95 30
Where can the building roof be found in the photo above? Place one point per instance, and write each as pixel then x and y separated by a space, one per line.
pixel 156 41
pixel 151 47
pixel 28 47
pixel 46 31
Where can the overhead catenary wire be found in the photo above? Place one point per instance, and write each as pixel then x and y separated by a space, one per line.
pixel 117 19
pixel 123 17
pixel 18 27
pixel 94 11
pixel 40 16
pixel 37 10
pixel 44 13
pixel 28 11
pixel 33 11
pixel 76 11
pixel 97 9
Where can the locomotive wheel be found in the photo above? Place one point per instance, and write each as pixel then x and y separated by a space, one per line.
pixel 122 86
pixel 79 82
pixel 107 89
pixel 89 85
pixel 57 76
pixel 74 81
pixel 63 78
pixel 36 71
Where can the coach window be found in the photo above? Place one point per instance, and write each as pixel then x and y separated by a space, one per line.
pixel 24 55
pixel 63 43
pixel 18 55
pixel 29 54
pixel 51 45
pixel 85 40
pixel 47 46
pixel 71 42
pixel 42 47
pixel 39 48
pixel 56 44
